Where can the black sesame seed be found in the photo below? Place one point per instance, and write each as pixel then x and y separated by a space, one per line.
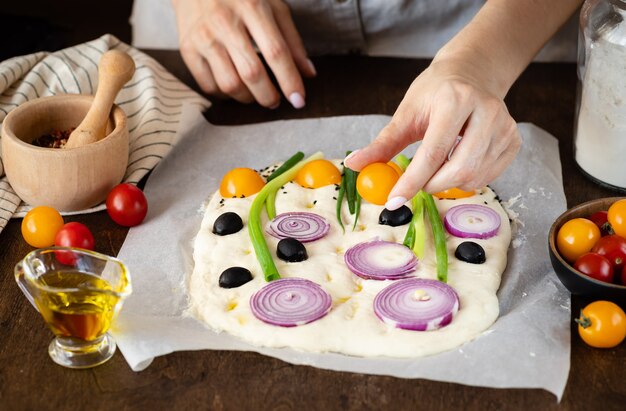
pixel 314 201
pixel 284 192
pixel 485 202
pixel 335 198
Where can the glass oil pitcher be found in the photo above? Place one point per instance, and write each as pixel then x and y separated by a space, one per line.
pixel 78 293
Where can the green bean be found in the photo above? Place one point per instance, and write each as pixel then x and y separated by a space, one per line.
pixel 409 238
pixel 420 228
pixel 357 210
pixel 350 176
pixel 342 191
pixel 415 234
pixel 439 236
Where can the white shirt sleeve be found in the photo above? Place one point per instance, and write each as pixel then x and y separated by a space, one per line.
pixel 154 25
pixel 401 28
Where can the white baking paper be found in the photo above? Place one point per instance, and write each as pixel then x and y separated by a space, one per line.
pixel 527 347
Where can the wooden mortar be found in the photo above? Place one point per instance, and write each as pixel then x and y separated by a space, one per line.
pixel 68 180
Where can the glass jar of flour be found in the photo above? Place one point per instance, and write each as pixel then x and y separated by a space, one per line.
pixel 600 131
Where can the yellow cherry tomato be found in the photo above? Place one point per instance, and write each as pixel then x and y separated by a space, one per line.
pixel 602 324
pixel 318 173
pixel 375 182
pixel 396 167
pixel 241 182
pixel 454 193
pixel 40 226
pixel 577 237
pixel 617 217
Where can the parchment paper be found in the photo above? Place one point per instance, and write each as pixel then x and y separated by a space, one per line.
pixel 527 347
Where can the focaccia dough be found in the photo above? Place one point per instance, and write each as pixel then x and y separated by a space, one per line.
pixel 351 327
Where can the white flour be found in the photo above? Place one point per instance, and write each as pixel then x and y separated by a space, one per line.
pixel 600 144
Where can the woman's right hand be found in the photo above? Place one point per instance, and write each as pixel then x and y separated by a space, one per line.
pixel 217 42
pixel 449 99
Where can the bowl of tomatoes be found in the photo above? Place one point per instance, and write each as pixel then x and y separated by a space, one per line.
pixel 587 246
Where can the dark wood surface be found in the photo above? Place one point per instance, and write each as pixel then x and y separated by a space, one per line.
pixel 544 95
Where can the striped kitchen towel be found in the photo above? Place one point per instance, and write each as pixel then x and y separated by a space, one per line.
pixel 152 101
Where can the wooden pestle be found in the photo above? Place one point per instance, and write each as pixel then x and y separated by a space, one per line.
pixel 114 70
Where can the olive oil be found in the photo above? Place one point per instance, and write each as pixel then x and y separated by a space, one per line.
pixel 78 293
pixel 76 304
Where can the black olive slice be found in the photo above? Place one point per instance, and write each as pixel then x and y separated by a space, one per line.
pixel 227 223
pixel 470 252
pixel 291 250
pixel 234 277
pixel 395 218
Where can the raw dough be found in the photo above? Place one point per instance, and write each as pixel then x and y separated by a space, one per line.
pixel 351 326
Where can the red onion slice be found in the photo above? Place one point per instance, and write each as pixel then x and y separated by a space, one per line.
pixel 289 302
pixel 472 221
pixel 380 260
pixel 302 226
pixel 417 304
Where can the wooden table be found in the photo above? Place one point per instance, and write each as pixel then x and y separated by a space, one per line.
pixel 544 95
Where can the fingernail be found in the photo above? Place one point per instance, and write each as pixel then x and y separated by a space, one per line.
pixel 395 203
pixel 296 100
pixel 311 67
pixel 350 156
pixel 275 106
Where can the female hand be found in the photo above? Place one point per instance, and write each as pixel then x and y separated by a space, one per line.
pixel 217 40
pixel 447 100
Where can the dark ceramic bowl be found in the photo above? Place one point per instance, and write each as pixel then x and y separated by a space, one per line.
pixel 575 281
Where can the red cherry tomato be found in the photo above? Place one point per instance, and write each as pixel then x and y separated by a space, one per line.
pixel 127 205
pixel 613 247
pixel 600 218
pixel 74 235
pixel 595 266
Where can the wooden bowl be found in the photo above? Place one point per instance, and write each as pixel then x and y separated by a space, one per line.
pixel 575 281
pixel 66 179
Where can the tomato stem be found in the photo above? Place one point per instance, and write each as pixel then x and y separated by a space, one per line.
pixel 583 321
